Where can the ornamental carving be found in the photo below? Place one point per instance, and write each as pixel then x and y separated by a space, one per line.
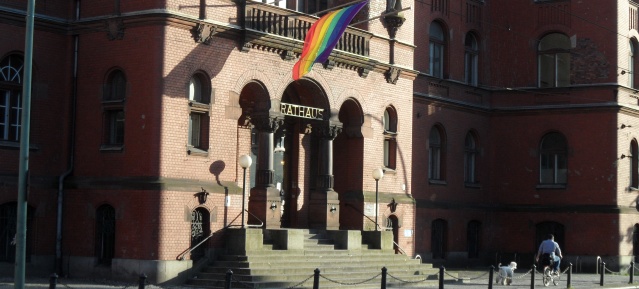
pixel 267 124
pixel 203 33
pixel 327 131
pixel 115 29
pixel 392 75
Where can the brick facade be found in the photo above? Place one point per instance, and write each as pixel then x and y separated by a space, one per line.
pixel 152 179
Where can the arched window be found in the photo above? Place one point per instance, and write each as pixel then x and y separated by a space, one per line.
pixel 105 234
pixel 390 138
pixel 473 234
pixel 436 144
pixel 437 47
pixel 113 99
pixel 470 158
pixel 554 60
pixel 439 238
pixel 199 105
pixel 632 61
pixel 634 164
pixel 553 154
pixel 11 71
pixel 471 59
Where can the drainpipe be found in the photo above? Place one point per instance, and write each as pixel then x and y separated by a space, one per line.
pixel 74 95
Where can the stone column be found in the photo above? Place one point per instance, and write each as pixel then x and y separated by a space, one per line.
pixel 324 201
pixel 264 201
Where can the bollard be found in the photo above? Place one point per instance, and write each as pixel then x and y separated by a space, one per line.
pixel 384 277
pixel 632 271
pixel 532 277
pixel 316 279
pixel 227 279
pixel 490 277
pixel 53 280
pixel 603 270
pixel 441 277
pixel 142 281
pixel 568 281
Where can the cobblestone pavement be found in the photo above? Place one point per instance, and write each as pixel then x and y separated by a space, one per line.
pixel 467 279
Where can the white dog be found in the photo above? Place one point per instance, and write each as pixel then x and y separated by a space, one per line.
pixel 505 274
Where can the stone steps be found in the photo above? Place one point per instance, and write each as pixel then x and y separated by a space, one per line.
pixel 339 268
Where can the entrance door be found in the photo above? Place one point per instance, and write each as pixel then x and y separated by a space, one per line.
pixel 200 230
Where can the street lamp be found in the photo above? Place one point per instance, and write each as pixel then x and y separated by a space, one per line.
pixel 378 174
pixel 245 162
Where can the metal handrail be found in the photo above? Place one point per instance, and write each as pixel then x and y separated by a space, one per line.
pixel 356 209
pixel 400 248
pixel 189 250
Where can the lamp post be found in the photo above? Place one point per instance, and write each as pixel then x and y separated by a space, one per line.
pixel 377 175
pixel 245 162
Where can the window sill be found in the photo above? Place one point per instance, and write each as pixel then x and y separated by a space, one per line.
pixel 472 185
pixel 389 171
pixel 15 145
pixel 192 151
pixel 437 182
pixel 112 148
pixel 633 189
pixel 551 186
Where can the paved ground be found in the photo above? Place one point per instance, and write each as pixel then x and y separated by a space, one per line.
pixel 470 280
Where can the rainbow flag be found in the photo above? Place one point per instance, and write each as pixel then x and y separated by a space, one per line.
pixel 323 36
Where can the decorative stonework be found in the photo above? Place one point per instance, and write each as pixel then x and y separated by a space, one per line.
pixel 267 124
pixel 203 33
pixel 115 29
pixel 392 75
pixel 327 131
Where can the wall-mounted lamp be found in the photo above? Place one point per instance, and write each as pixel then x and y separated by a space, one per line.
pixel 201 196
pixel 624 126
pixel 273 206
pixel 625 156
pixel 333 209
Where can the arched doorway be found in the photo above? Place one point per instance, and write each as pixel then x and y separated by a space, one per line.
pixel 305 142
pixel 439 238
pixel 349 165
pixel 8 221
pixel 544 228
pixel 635 242
pixel 200 230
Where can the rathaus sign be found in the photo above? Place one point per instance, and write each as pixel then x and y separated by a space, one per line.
pixel 301 111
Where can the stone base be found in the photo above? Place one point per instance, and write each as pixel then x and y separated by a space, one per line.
pixel 265 206
pixel 323 210
pixel 382 240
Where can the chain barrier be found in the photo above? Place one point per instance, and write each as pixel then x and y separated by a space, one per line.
pixel 618 273
pixel 345 283
pixel 467 279
pixel 299 284
pixel 406 281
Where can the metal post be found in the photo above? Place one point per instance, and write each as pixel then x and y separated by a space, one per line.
pixel 603 269
pixel 142 281
pixel 376 201
pixel 490 277
pixel 243 195
pixel 441 277
pixel 569 280
pixel 532 277
pixel 227 280
pixel 316 279
pixel 632 272
pixel 53 280
pixel 384 277
pixel 23 173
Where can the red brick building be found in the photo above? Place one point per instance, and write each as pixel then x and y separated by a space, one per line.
pixel 495 123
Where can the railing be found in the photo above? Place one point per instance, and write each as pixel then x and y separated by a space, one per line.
pixel 400 248
pixel 286 23
pixel 182 255
pixel 356 209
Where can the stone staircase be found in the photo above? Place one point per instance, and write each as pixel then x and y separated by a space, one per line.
pixel 269 265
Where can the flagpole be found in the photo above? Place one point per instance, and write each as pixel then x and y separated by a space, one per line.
pixel 380 16
pixel 21 221
pixel 337 7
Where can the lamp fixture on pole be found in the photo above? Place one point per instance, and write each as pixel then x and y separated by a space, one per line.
pixel 377 175
pixel 245 162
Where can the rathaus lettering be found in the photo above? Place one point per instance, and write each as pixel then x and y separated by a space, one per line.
pixel 301 111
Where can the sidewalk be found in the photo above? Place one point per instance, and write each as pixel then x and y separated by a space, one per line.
pixel 471 280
